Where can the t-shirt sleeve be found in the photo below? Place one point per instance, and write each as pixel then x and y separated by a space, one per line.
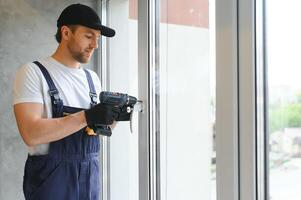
pixel 27 85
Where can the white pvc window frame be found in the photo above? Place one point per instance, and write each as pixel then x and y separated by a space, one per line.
pixel 227 112
pixel 143 90
pixel 103 72
pixel 240 93
pixel 240 128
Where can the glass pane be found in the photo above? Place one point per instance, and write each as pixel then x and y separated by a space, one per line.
pixel 284 86
pixel 122 60
pixel 187 100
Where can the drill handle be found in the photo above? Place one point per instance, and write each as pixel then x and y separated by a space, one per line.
pixel 99 129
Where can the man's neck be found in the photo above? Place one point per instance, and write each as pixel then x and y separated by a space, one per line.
pixel 64 57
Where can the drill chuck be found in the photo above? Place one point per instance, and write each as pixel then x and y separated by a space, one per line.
pixel 131 100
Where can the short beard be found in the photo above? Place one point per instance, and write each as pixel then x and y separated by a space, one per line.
pixel 78 56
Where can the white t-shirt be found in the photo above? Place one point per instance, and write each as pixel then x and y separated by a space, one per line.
pixel 72 84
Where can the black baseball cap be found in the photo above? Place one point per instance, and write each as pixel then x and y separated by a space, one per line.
pixel 78 14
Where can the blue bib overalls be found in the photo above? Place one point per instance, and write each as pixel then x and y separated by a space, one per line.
pixel 70 171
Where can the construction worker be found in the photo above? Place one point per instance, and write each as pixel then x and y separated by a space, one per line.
pixel 54 100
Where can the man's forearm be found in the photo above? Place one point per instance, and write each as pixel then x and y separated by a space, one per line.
pixel 47 130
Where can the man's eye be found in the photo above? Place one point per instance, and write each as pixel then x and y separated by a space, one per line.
pixel 89 37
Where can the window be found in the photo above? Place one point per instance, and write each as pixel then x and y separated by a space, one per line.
pixel 284 98
pixel 185 99
pixel 122 75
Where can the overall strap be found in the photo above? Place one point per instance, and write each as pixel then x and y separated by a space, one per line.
pixel 56 102
pixel 92 93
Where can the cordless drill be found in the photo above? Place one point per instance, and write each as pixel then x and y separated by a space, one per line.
pixel 124 101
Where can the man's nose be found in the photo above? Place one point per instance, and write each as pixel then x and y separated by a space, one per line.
pixel 94 44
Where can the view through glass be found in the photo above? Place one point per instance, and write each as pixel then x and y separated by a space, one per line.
pixel 283 44
pixel 187 100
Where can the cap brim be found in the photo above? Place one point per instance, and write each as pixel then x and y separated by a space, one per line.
pixel 104 30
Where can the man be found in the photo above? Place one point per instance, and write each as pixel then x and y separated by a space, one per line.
pixel 54 100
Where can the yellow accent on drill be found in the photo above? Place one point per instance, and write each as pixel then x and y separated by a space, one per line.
pixel 90 131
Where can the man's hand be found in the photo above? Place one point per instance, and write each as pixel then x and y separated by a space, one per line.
pixel 102 114
pixel 124 115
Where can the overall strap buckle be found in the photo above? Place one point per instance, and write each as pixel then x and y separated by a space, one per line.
pixel 92 93
pixel 54 94
pixel 93 97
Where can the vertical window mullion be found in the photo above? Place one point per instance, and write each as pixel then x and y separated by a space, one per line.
pixel 261 115
pixel 154 92
pixel 247 99
pixel 102 71
pixel 143 91
pixel 227 159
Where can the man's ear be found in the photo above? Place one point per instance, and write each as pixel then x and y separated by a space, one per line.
pixel 65 32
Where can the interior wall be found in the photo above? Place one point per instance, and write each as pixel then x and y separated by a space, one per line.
pixel 26 34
